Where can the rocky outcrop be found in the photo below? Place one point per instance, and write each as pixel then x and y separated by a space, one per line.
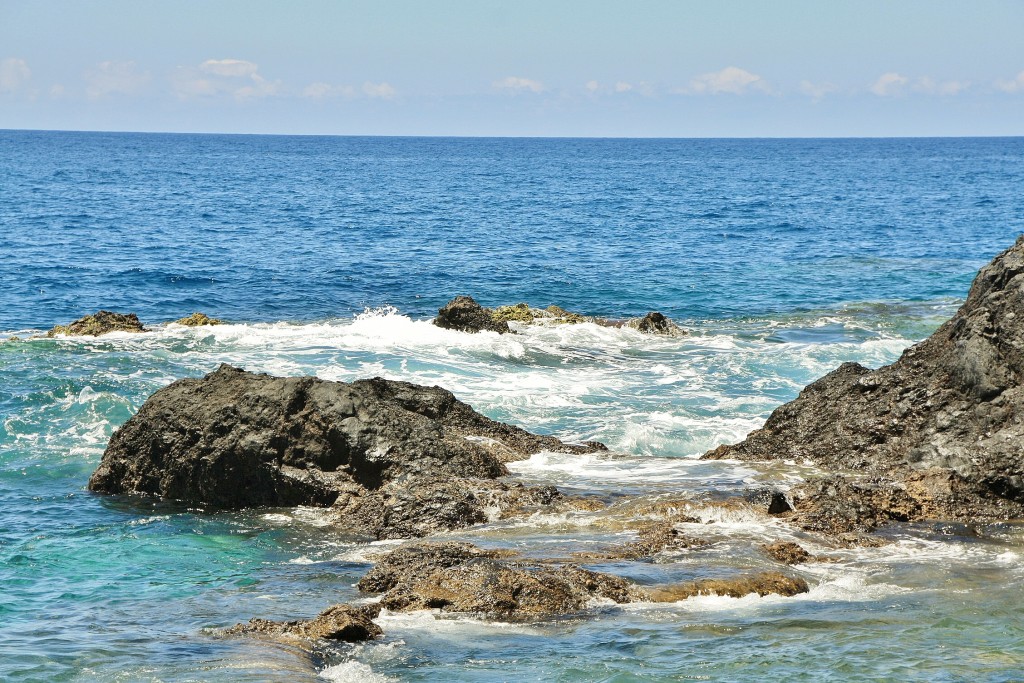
pixel 464 314
pixel 339 623
pixel 198 319
pixel 936 434
pixel 766 583
pixel 99 323
pixel 460 577
pixel 394 458
pixel 656 323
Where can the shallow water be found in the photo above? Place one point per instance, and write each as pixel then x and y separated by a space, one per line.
pixel 783 259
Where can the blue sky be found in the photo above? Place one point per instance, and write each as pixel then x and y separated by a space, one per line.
pixel 487 67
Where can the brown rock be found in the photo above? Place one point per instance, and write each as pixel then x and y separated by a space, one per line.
pixel 340 622
pixel 762 584
pixel 464 314
pixel 99 323
pixel 786 552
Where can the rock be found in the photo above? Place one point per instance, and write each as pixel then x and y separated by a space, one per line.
pixel 770 499
pixel 464 314
pixel 395 458
pixel 340 623
pixel 520 313
pixel 935 435
pixel 460 577
pixel 656 323
pixel 762 584
pixel 99 323
pixel 651 540
pixel 786 552
pixel 198 320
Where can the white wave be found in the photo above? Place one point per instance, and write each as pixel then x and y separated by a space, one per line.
pixel 438 623
pixel 353 672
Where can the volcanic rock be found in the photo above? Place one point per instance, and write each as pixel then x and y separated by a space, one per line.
pixel 786 552
pixel 99 323
pixel 762 584
pixel 340 622
pixel 198 319
pixel 656 323
pixel 396 458
pixel 464 314
pixel 936 434
pixel 460 577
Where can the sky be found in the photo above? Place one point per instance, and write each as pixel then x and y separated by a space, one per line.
pixel 646 68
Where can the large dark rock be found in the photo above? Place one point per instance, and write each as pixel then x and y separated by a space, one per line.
pixel 938 432
pixel 460 577
pixel 386 453
pixel 464 314
pixel 99 323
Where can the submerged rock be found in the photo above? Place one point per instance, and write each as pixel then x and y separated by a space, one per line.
pixel 340 623
pixel 395 458
pixel 762 584
pixel 936 434
pixel 198 319
pixel 460 577
pixel 651 540
pixel 464 314
pixel 99 323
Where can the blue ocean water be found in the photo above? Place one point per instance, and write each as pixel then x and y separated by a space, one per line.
pixel 783 258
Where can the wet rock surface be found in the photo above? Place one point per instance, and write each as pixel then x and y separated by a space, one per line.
pixel 460 577
pixel 101 322
pixel 340 623
pixel 765 583
pixel 396 458
pixel 656 323
pixel 464 314
pixel 935 435
pixel 198 319
pixel 786 552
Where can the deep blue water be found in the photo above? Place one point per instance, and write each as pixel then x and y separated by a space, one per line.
pixel 305 228
pixel 783 258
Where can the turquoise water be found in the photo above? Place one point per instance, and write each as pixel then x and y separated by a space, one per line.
pixel 783 257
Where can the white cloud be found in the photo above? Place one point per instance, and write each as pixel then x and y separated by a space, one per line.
pixel 321 90
pixel 109 78
pixel 14 73
pixel 1015 85
pixel 817 91
pixel 519 84
pixel 930 86
pixel 889 84
pixel 381 90
pixel 592 86
pixel 232 68
pixel 57 90
pixel 622 86
pixel 235 77
pixel 731 79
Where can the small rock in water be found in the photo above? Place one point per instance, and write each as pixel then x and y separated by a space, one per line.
pixel 340 622
pixel 656 323
pixel 198 319
pixel 762 584
pixel 786 552
pixel 99 323
pixel 464 314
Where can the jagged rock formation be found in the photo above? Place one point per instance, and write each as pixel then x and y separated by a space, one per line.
pixel 937 434
pixel 762 584
pixel 99 323
pixel 656 323
pixel 394 458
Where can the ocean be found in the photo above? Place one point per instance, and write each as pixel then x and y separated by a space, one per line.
pixel 329 256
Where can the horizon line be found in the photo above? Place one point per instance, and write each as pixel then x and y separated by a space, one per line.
pixel 522 137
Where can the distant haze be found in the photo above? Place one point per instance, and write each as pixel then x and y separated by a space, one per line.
pixel 525 68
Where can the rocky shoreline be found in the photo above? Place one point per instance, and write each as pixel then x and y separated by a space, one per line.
pixel 932 436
